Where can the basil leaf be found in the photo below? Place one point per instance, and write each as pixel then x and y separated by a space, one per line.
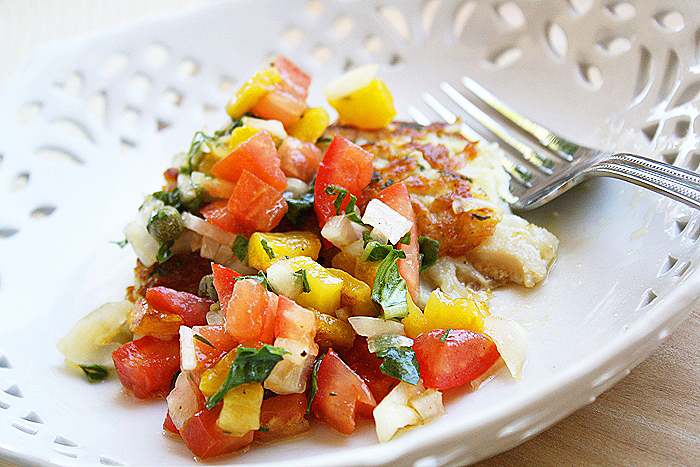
pixel 249 366
pixel 164 252
pixel 95 373
pixel 429 249
pixel 314 383
pixel 350 208
pixel 260 277
pixel 390 289
pixel 445 334
pixel 400 363
pixel 267 248
pixel 204 340
pixel 301 273
pixel 375 251
pixel 240 247
pixel 300 208
pixel 406 239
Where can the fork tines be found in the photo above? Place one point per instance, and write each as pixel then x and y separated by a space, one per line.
pixel 538 161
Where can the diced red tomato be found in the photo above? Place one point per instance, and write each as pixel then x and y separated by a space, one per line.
pixel 257 155
pixel 280 105
pixel 169 426
pixel 190 307
pixel 294 80
pixel 281 417
pixel 147 365
pixel 257 206
pixel 462 357
pixel 296 322
pixel 340 395
pixel 366 365
pixel 250 314
pixel 218 214
pixel 224 280
pixel 221 343
pixel 206 440
pixel 346 165
pixel 397 198
pixel 299 159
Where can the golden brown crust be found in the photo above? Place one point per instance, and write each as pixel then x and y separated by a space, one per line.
pixel 441 198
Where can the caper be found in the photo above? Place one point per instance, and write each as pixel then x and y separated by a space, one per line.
pixel 165 224
pixel 206 288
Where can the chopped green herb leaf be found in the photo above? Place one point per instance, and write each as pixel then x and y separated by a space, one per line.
pixel 300 208
pixel 267 248
pixel 390 289
pixel 324 139
pixel 240 247
pixel 429 249
pixel 263 429
pixel 444 336
pixel 375 251
pixel 314 383
pixel 203 339
pixel 260 277
pixel 249 366
pixel 95 373
pixel 332 394
pixel 122 243
pixel 301 273
pixel 164 252
pixel 400 363
pixel 406 239
pixel 350 208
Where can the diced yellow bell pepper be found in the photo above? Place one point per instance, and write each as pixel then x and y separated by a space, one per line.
pixel 324 289
pixel 286 244
pixel 366 271
pixel 217 152
pixel 443 312
pixel 355 294
pixel 344 261
pixel 311 125
pixel 333 332
pixel 414 324
pixel 241 410
pixel 240 134
pixel 214 377
pixel 252 91
pixel 369 107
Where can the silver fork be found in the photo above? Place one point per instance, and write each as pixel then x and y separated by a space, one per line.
pixel 541 176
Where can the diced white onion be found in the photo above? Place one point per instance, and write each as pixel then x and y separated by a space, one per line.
pixel 206 229
pixel 94 337
pixel 511 341
pixel 209 248
pixel 428 404
pixel 341 231
pixel 215 318
pixel 368 326
pixel 406 405
pixel 281 277
pixel 144 245
pixel 289 376
pixel 296 187
pixel 352 81
pixel 274 127
pixel 389 418
pixel 389 225
pixel 382 341
pixel 188 357
pixel 183 400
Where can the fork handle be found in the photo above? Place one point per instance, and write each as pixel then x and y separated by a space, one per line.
pixel 674 182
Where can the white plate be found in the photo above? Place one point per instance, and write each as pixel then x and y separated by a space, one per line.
pixel 88 127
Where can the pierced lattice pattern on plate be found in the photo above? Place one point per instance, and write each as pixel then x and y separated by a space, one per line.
pixel 91 121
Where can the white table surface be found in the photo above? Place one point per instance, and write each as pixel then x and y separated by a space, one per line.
pixel 650 418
